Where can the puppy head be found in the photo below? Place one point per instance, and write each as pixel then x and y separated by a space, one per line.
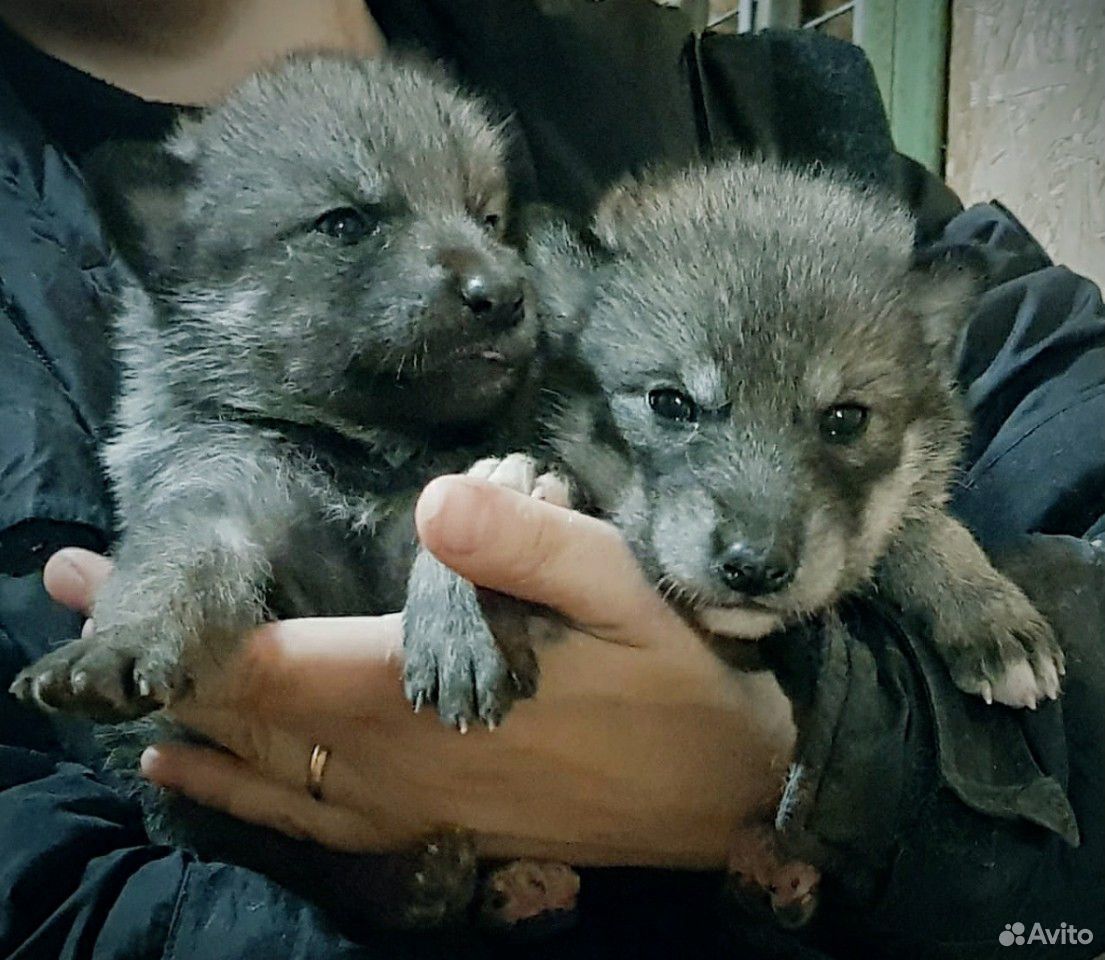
pixel 773 379
pixel 334 232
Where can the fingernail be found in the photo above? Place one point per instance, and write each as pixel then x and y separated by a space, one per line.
pixel 151 761
pixel 68 570
pixel 450 516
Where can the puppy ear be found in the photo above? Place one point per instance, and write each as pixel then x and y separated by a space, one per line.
pixel 564 272
pixel 946 281
pixel 140 190
pixel 619 204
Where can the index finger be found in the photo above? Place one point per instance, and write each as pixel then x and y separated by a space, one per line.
pixel 352 664
pixel 73 576
pixel 536 551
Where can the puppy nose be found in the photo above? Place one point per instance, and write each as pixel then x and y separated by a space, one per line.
pixel 499 305
pixel 754 570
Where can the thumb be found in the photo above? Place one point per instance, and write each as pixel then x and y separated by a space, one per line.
pixel 577 565
pixel 73 577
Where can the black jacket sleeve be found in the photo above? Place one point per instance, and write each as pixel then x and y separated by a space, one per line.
pixel 80 879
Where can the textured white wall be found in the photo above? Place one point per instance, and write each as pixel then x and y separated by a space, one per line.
pixel 1026 119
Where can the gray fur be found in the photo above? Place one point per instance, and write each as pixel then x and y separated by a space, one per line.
pixel 287 394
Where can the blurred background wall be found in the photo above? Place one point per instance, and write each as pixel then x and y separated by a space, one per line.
pixel 1026 118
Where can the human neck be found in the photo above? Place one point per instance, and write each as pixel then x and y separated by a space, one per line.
pixel 188 51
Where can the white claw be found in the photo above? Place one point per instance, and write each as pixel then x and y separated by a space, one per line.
pixel 462 725
pixel 36 692
pixel 418 701
pixel 143 687
pixel 1017 686
pixel 1049 678
pixel 987 692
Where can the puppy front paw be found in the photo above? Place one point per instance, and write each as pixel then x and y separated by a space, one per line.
pixel 524 891
pixel 454 661
pixel 762 882
pixel 470 652
pixel 518 471
pixel 114 674
pixel 432 886
pixel 1005 652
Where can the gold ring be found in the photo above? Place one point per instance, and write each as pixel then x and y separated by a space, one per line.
pixel 315 770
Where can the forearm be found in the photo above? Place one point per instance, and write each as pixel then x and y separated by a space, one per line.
pixel 994 642
pixel 201 520
pixel 212 576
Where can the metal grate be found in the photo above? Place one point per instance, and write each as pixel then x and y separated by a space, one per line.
pixel 748 15
pixel 905 41
pixel 741 17
pixel 825 19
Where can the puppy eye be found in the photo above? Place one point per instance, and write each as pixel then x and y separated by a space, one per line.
pixel 346 224
pixel 673 405
pixel 843 423
pixel 491 222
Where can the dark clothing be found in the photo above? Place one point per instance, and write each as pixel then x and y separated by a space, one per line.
pixel 940 820
pixel 600 89
pixel 76 111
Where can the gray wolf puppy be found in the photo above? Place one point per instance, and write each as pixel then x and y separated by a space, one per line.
pixel 325 316
pixel 758 393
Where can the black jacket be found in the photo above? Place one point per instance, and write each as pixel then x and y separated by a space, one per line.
pixel 943 820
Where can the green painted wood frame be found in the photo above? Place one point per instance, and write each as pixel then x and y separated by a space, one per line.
pixel 907 44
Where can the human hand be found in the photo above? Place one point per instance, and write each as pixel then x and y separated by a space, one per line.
pixel 639 748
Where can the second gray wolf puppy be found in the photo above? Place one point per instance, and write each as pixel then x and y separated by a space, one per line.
pixel 325 316
pixel 756 386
